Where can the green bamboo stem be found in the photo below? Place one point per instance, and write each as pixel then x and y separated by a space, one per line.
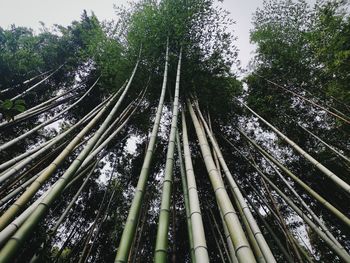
pixel 239 240
pixel 302 202
pixel 34 187
pixel 338 250
pixel 35 85
pixel 47 122
pixel 220 234
pixel 265 249
pixel 270 230
pixel 22 233
pixel 308 189
pixel 326 144
pixel 342 184
pixel 163 223
pixel 8 231
pixel 130 225
pixel 33 113
pixel 45 103
pixel 286 230
pixel 216 240
pixel 256 249
pixel 44 147
pixel 199 241
pixel 72 202
pixel 230 246
pixel 186 197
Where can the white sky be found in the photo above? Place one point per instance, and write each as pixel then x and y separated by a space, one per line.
pixel 30 12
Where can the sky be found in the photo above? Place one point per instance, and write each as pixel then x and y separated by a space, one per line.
pixel 63 12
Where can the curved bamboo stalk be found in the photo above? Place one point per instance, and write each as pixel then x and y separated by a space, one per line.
pixel 221 238
pixel 199 241
pixel 270 230
pixel 8 231
pixel 186 197
pixel 21 234
pixel 31 114
pixel 326 144
pixel 44 147
pixel 302 202
pixel 130 225
pixel 265 249
pixel 342 184
pixel 307 100
pixel 31 190
pixel 35 85
pixel 318 197
pixel 163 224
pixel 239 240
pixel 45 123
pixel 339 251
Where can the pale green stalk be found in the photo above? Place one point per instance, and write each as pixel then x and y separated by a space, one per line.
pixel 12 246
pixel 35 85
pixel 342 184
pixel 26 158
pixel 239 240
pixel 319 198
pixel 131 222
pixel 199 242
pixel 45 123
pixel 265 249
pixel 42 147
pixel 326 144
pixel 161 249
pixel 186 197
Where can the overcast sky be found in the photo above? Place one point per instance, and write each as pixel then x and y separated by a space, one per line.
pixel 30 12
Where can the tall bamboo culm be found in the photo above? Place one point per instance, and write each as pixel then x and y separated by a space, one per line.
pixel 308 189
pixel 265 249
pixel 296 147
pixel 22 233
pixel 134 212
pixel 239 240
pixel 186 197
pixel 199 241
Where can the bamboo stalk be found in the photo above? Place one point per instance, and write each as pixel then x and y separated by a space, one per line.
pixel 199 241
pixel 163 224
pixel 318 197
pixel 338 250
pixel 45 123
pixel 239 240
pixel 130 225
pixel 35 85
pixel 44 147
pixel 186 197
pixel 270 230
pixel 22 233
pixel 302 202
pixel 265 249
pixel 342 184
pixel 326 144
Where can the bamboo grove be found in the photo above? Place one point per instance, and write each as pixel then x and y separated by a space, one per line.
pixel 134 140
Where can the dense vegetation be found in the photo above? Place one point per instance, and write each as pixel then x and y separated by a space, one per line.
pixel 134 139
